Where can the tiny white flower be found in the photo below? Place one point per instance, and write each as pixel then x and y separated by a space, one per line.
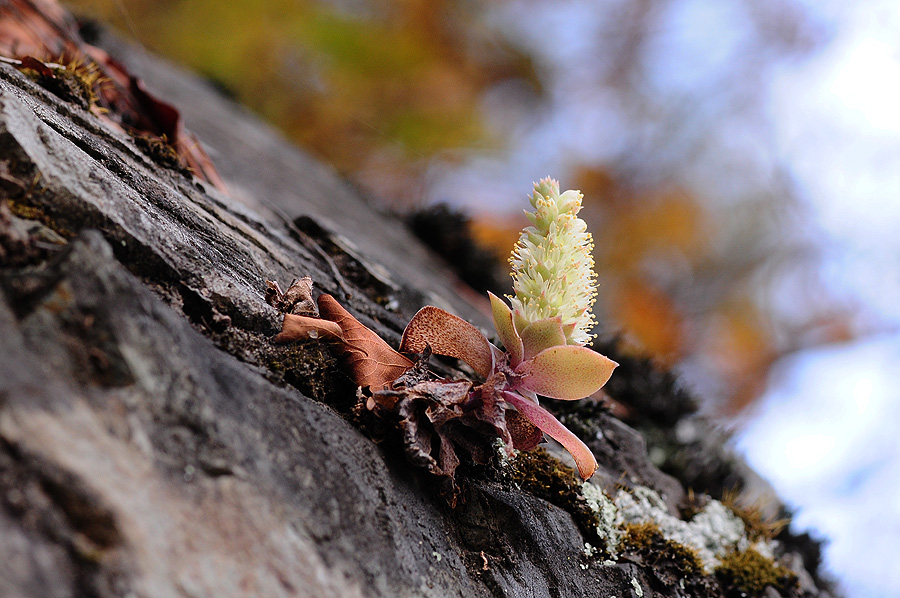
pixel 552 266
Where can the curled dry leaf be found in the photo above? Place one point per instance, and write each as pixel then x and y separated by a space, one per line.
pixel 295 328
pixel 440 418
pixel 369 361
pixel 296 300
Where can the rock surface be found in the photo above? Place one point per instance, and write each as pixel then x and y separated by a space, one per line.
pixel 153 442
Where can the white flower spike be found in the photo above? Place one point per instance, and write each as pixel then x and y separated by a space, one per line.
pixel 552 266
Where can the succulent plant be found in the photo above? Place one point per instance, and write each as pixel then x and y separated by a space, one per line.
pixel 542 334
pixel 545 329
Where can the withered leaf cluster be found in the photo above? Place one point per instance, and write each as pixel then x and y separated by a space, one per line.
pixel 368 359
pixel 41 37
pixel 440 417
pixel 296 300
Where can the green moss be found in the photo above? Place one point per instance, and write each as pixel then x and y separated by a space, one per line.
pixel 759 526
pixel 81 78
pixel 672 565
pixel 30 212
pixel 311 368
pixel 161 152
pixel 544 476
pixel 747 573
pixel 646 540
pixel 72 83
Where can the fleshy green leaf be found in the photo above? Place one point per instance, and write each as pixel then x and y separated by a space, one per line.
pixel 519 320
pixel 449 335
pixel 567 372
pixel 506 330
pixel 541 335
pixel 544 420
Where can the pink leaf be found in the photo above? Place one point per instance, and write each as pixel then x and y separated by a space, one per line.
pixel 541 335
pixel 506 330
pixel 449 335
pixel 567 372
pixel 544 420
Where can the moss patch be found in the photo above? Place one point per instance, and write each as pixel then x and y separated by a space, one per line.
pixel 542 475
pixel 161 152
pixel 312 369
pixel 759 526
pixel 74 83
pixel 28 211
pixel 670 564
pixel 747 573
pixel 646 541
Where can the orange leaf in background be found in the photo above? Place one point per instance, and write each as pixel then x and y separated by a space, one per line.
pixel 649 316
pixel 666 221
pixel 371 361
pixel 498 234
pixel 742 348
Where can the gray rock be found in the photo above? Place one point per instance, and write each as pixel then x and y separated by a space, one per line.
pixel 151 441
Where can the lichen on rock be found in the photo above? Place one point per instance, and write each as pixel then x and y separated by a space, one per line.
pixel 712 532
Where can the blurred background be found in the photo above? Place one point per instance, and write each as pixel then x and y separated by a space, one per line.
pixel 740 161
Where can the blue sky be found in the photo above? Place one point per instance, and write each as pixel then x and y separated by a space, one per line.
pixel 825 432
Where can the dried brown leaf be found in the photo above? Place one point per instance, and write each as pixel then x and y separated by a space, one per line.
pixel 370 360
pixel 296 300
pixel 449 335
pixel 295 328
pixel 30 62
